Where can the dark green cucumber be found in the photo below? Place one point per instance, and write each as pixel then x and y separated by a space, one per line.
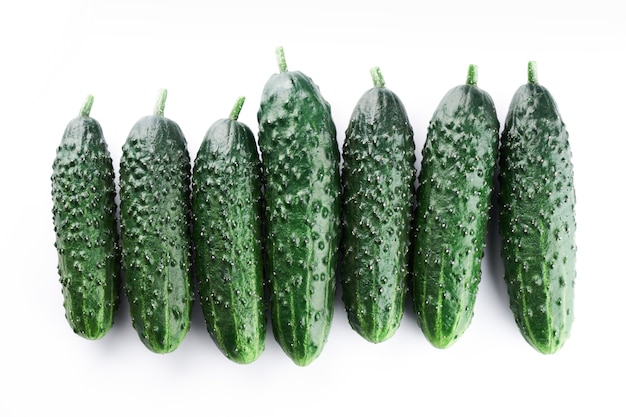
pixel 453 202
pixel 84 214
pixel 300 158
pixel 227 210
pixel 155 206
pixel 378 177
pixel 537 220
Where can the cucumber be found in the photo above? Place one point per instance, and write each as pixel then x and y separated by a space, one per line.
pixel 155 206
pixel 378 177
pixel 300 159
pixel 85 223
pixel 453 201
pixel 537 216
pixel 227 235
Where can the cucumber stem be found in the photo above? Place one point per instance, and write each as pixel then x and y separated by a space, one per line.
pixel 159 107
pixel 472 75
pixel 86 109
pixel 280 57
pixel 234 114
pixel 532 72
pixel 377 77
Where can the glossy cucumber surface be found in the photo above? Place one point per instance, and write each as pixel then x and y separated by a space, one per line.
pixel 227 232
pixel 537 216
pixel 155 214
pixel 378 176
pixel 453 201
pixel 85 223
pixel 300 158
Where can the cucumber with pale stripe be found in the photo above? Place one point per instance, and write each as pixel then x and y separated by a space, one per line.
pixel 453 202
pixel 378 179
pixel 85 223
pixel 155 216
pixel 300 157
pixel 537 216
pixel 226 204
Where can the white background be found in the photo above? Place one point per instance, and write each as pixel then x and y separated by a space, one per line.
pixel 54 53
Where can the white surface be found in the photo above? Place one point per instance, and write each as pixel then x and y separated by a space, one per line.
pixel 206 55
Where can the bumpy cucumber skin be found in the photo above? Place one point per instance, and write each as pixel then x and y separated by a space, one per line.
pixel 227 231
pixel 452 211
pixel 378 177
pixel 537 220
pixel 155 206
pixel 84 214
pixel 300 158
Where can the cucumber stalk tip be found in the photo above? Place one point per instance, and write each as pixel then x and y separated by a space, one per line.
pixel 86 108
pixel 472 75
pixel 280 58
pixel 234 114
pixel 377 77
pixel 159 107
pixel 532 72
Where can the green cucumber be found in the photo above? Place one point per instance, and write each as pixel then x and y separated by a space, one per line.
pixel 227 210
pixel 537 216
pixel 300 159
pixel 155 206
pixel 378 177
pixel 85 223
pixel 453 202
